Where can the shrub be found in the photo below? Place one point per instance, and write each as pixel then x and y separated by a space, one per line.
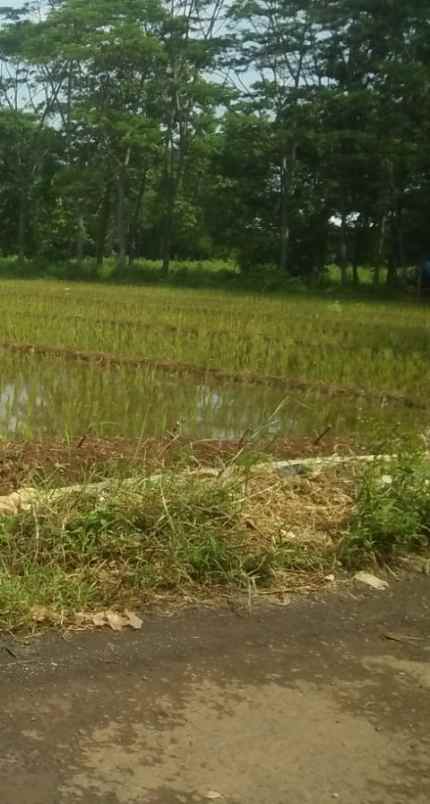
pixel 392 513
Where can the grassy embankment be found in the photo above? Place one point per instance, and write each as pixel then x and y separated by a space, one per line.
pixel 184 538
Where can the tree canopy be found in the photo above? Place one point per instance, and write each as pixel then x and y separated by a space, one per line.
pixel 286 133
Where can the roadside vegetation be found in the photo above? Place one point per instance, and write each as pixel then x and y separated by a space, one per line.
pixel 236 534
pixel 391 516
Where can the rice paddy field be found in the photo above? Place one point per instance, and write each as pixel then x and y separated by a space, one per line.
pixel 137 362
pixel 186 393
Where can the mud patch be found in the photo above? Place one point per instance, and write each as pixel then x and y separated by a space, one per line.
pixel 228 741
pixel 405 671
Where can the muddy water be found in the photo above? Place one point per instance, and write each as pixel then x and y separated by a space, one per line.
pixel 42 397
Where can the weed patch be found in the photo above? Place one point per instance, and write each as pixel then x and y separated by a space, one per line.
pixel 182 536
pixel 94 553
pixel 392 513
pixel 192 536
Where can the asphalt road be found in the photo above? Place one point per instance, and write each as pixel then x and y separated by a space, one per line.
pixel 322 700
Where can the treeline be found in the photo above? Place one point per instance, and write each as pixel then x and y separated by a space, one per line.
pixel 275 132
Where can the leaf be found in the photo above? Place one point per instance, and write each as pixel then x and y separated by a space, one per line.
pixel 81 618
pixel 40 614
pixel 111 619
pixel 99 619
pixel 133 620
pixel 115 621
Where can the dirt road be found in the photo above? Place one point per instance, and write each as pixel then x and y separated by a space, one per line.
pixel 319 701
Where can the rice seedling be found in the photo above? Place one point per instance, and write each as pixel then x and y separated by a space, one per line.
pixel 362 355
pixel 372 345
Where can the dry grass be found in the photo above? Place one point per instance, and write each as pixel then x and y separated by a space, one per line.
pixel 184 537
pixel 205 536
pixel 309 508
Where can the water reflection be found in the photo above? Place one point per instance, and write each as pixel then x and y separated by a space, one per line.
pixel 42 397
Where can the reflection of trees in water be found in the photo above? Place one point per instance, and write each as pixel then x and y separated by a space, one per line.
pixel 54 397
pixel 11 399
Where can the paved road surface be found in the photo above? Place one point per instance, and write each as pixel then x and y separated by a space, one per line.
pixel 317 702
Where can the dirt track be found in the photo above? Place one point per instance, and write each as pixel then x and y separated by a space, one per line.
pixel 319 701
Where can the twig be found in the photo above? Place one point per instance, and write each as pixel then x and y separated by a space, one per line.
pixel 320 437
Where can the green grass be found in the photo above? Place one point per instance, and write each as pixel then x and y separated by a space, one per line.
pixel 188 537
pixel 392 513
pixel 179 536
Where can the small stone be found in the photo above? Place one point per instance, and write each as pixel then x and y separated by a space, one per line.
pixel 371 580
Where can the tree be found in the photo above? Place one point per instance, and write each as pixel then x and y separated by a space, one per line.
pixel 280 41
pixel 189 99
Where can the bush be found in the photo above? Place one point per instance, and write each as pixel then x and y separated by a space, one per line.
pixel 392 514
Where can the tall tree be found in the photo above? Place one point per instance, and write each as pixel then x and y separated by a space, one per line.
pixel 189 98
pixel 279 40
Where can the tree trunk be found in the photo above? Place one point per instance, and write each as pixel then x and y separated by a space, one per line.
pixel 103 224
pixel 380 250
pixel 80 239
pixel 288 171
pixel 399 236
pixel 356 254
pixel 284 223
pixel 419 280
pixel 135 222
pixel 122 223
pixel 377 275
pixel 355 277
pixel 396 248
pixel 343 262
pixel 167 244
pixel 168 227
pixel 22 226
pixel 391 274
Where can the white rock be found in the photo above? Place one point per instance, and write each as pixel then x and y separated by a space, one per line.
pixel 371 580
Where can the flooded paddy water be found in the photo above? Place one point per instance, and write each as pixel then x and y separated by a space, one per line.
pixel 52 397
pixel 132 362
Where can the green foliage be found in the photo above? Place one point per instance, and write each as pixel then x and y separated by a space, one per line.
pixel 161 537
pixel 392 514
pixel 119 138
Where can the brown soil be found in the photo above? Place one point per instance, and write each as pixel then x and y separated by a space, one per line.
pixel 210 373
pixel 25 462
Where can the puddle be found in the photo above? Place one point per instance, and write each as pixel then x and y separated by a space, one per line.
pixel 42 397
